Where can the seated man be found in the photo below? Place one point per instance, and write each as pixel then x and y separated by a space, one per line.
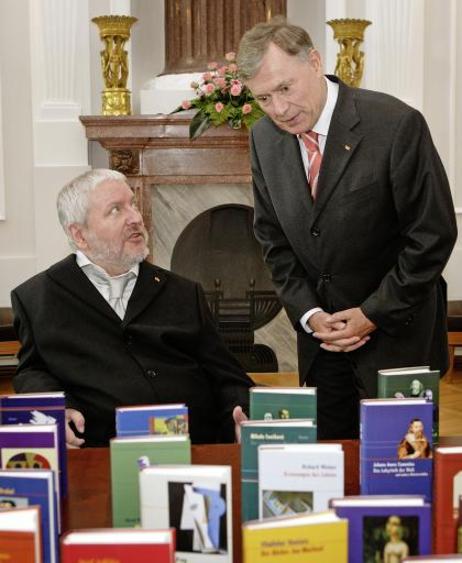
pixel 111 329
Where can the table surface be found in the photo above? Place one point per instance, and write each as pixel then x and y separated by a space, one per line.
pixel 89 501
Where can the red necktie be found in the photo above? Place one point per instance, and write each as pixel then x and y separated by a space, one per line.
pixel 310 140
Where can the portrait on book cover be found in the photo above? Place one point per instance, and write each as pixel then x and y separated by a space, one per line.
pixel 176 424
pixel 389 539
pixel 198 512
pixel 27 459
pixel 414 444
pixel 286 503
pixel 7 502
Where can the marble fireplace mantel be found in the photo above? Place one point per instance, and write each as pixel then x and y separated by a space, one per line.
pixel 156 149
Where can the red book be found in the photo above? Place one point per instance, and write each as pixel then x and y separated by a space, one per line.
pixel 123 545
pixel 447 489
pixel 20 539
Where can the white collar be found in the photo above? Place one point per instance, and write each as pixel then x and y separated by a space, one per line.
pixel 323 123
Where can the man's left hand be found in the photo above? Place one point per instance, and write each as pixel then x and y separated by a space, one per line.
pixel 238 416
pixel 354 334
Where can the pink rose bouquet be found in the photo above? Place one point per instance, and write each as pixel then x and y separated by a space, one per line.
pixel 221 98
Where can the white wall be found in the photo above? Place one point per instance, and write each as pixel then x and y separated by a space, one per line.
pixel 50 73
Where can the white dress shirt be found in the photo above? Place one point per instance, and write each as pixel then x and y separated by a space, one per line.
pixel 100 278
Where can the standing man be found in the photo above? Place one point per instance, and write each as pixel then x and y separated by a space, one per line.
pixel 354 215
pixel 111 329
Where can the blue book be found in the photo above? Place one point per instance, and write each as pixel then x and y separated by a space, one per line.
pixel 20 488
pixel 255 433
pixel 379 526
pixel 40 408
pixel 396 447
pixel 141 420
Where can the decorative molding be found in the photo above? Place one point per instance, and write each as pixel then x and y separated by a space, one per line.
pixel 126 161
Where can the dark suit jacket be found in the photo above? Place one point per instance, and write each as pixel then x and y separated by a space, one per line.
pixel 166 350
pixel 377 237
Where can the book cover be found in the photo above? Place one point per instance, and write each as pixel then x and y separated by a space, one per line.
pixel 152 419
pixel 412 382
pixel 197 501
pixel 34 487
pixel 20 539
pixel 40 408
pixel 383 527
pixel 298 478
pixel 269 403
pixel 304 538
pixel 434 558
pixel 127 456
pixel 396 447
pixel 448 489
pixel 113 545
pixel 258 432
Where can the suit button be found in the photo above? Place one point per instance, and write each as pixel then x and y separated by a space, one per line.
pixel 326 278
pixel 409 320
pixel 315 232
pixel 151 373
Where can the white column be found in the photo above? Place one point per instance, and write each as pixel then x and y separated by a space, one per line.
pixel 60 80
pixel 2 176
pixel 394 46
pixel 335 10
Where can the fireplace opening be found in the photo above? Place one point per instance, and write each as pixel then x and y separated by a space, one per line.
pixel 218 249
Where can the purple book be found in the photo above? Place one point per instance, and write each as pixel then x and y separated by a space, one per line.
pixel 396 447
pixel 382 528
pixel 39 408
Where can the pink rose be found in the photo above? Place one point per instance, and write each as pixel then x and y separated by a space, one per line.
pixel 208 88
pixel 220 82
pixel 222 71
pixel 219 107
pixel 212 65
pixel 186 104
pixel 231 56
pixel 236 89
pixel 232 67
pixel 246 108
pixel 207 76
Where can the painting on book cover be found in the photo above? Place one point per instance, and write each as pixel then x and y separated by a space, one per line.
pixel 176 424
pixel 7 502
pixel 197 509
pixel 286 503
pixel 43 458
pixel 390 538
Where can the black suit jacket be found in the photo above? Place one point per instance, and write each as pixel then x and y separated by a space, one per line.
pixel 377 236
pixel 166 350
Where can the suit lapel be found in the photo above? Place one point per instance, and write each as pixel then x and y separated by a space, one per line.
pixel 68 275
pixel 148 285
pixel 342 142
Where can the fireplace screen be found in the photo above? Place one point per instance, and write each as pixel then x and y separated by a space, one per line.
pixel 218 249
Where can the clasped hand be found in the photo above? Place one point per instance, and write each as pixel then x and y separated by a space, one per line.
pixel 343 331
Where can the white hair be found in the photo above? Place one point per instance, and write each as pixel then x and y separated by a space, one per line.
pixel 73 199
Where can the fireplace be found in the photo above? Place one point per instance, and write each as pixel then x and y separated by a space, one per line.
pixel 176 181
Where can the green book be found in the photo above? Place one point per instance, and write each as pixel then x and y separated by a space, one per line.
pixel 258 432
pixel 416 382
pixel 269 403
pixel 127 456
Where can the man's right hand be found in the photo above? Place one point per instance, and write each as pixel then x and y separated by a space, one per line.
pixel 75 416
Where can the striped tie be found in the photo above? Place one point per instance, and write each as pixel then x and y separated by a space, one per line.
pixel 310 140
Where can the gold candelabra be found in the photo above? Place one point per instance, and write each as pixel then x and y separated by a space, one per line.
pixel 350 60
pixel 114 31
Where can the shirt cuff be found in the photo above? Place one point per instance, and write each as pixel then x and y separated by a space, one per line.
pixel 306 317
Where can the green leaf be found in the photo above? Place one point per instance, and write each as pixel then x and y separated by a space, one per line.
pixel 199 123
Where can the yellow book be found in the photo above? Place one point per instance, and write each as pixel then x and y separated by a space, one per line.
pixel 312 538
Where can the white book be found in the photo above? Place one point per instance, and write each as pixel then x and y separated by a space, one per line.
pixel 197 501
pixel 298 478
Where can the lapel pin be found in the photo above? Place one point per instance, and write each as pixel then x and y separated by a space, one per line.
pixel 347 147
pixel 156 279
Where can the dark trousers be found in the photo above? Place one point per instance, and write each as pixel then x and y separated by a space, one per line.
pixel 338 394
